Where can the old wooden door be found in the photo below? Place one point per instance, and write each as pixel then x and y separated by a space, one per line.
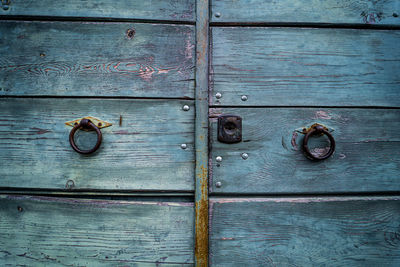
pixel 284 66
pixel 127 63
pixel 163 189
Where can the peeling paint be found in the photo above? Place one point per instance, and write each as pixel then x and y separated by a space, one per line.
pixel 189 48
pixel 293 141
pixel 320 114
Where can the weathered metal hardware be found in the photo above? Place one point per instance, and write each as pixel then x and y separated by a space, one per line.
pixel 85 124
pixel 229 129
pixel 5 4
pixel 317 129
pixel 99 123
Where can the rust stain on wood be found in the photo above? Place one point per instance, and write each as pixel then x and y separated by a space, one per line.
pixel 201 247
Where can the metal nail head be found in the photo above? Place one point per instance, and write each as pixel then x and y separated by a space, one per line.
pixel 183 146
pixel 217 15
pixel 186 108
pixel 244 97
pixel 218 95
pixel 218 184
pixel 245 156
pixel 218 159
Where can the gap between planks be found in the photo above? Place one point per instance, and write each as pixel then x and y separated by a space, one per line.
pixel 91 19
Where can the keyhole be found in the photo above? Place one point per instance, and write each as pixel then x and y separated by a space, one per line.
pixel 230 128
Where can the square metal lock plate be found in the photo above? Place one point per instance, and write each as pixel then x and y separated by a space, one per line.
pixel 229 129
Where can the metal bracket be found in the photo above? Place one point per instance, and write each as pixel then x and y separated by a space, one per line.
pixel 99 123
pixel 229 129
pixel 305 130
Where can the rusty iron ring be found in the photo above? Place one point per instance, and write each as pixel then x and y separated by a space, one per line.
pixel 318 129
pixel 86 124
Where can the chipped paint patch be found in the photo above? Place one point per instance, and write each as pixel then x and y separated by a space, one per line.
pixel 189 48
pixel 293 141
pixel 320 114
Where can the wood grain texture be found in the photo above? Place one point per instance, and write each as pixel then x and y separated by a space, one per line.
pixel 172 10
pixel 305 232
pixel 307 11
pixel 102 59
pixel 367 157
pixel 305 66
pixel 201 134
pixel 75 232
pixel 138 151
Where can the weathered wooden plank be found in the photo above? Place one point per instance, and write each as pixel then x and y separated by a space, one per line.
pixel 367 157
pixel 102 59
pixel 305 66
pixel 305 232
pixel 201 135
pixel 307 11
pixel 76 232
pixel 173 10
pixel 138 151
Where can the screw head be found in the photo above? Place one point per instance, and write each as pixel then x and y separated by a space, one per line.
pixel 186 108
pixel 245 156
pixel 183 146
pixel 218 95
pixel 395 15
pixel 218 184
pixel 244 97
pixel 218 159
pixel 217 15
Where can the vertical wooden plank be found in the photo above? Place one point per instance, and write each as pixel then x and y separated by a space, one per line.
pixel 201 136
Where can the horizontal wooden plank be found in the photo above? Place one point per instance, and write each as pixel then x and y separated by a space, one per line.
pixel 102 59
pixel 307 11
pixel 173 10
pixel 305 232
pixel 367 157
pixel 305 67
pixel 76 232
pixel 138 151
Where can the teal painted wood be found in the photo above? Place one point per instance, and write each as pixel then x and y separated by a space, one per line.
pixel 305 67
pixel 75 232
pixel 138 151
pixel 305 232
pixel 201 134
pixel 367 157
pixel 307 11
pixel 96 59
pixel 173 10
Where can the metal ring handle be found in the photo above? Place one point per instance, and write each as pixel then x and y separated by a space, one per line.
pixel 87 124
pixel 318 129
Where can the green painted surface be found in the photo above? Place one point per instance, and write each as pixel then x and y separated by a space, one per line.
pixel 96 59
pixel 138 151
pixel 174 10
pixel 307 11
pixel 367 157
pixel 305 67
pixel 201 134
pixel 305 232
pixel 40 231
